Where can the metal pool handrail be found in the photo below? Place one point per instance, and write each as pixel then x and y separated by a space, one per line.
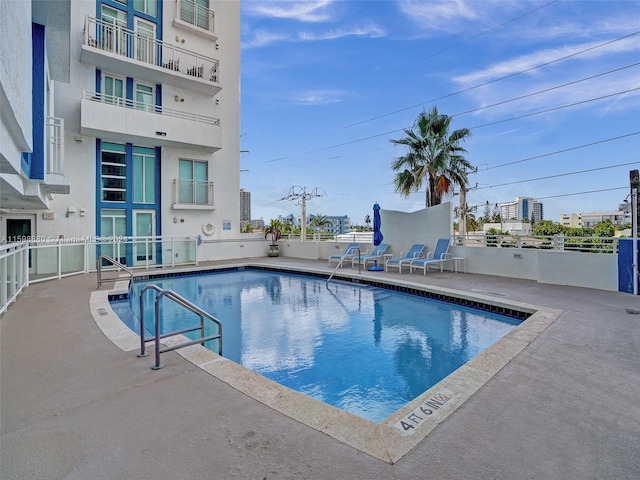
pixel 189 306
pixel 340 263
pixel 114 263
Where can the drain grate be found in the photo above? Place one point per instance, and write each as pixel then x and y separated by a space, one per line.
pixel 632 311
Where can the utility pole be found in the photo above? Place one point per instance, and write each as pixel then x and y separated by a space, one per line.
pixel 300 194
pixel 634 180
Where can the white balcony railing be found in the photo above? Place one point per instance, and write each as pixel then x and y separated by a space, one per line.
pixel 197 15
pixel 192 192
pixel 126 43
pixel 55 145
pixel 146 107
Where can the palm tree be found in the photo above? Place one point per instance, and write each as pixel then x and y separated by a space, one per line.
pixel 319 221
pixel 367 220
pixel 434 156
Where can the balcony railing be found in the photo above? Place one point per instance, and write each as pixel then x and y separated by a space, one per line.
pixel 55 145
pixel 192 193
pixel 146 107
pixel 126 43
pixel 197 15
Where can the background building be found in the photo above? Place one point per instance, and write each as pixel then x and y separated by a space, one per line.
pixel 522 208
pixel 337 224
pixel 589 220
pixel 245 206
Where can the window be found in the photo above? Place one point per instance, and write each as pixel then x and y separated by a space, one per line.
pixel 146 6
pixel 114 30
pixel 113 224
pixel 195 12
pixel 193 183
pixel 145 41
pixel 113 173
pixel 144 175
pixel 112 89
pixel 144 97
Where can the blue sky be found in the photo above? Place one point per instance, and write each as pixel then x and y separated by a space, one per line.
pixel 548 89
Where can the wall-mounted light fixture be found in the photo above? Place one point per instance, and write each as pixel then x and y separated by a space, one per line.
pixel 179 39
pixel 217 46
pixel 178 99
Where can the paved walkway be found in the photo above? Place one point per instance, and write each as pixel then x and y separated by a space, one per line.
pixel 75 406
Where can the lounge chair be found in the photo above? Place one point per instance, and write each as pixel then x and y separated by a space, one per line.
pixel 349 253
pixel 377 255
pixel 412 254
pixel 439 257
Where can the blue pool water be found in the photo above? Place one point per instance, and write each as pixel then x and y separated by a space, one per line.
pixel 363 349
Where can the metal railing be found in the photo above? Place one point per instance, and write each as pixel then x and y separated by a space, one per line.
pixel 116 264
pixel 170 294
pixel 14 272
pixel 116 39
pixel 192 192
pixel 342 258
pixel 559 243
pixel 55 145
pixel 198 15
pixel 150 108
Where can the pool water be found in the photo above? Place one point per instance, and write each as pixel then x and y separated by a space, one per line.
pixel 363 349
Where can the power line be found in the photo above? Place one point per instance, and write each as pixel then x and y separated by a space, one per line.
pixel 540 112
pixel 565 150
pixel 546 90
pixel 558 175
pixel 497 27
pixel 584 193
pixel 511 75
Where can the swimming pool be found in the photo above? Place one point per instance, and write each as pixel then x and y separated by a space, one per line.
pixel 364 349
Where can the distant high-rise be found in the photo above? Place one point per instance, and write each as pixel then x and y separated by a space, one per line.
pixel 522 208
pixel 245 206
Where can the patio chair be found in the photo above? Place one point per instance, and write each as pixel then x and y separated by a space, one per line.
pixel 439 257
pixel 349 253
pixel 376 255
pixel 412 254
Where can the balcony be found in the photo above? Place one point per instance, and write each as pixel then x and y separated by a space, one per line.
pixel 125 52
pixel 195 18
pixel 55 181
pixel 130 121
pixel 192 195
pixel 18 191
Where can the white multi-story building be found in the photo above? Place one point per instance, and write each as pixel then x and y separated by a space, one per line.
pixel 590 219
pixel 131 125
pixel 522 208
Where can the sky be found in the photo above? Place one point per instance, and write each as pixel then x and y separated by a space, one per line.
pixel 550 90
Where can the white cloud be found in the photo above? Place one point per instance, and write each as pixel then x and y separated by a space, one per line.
pixel 371 31
pixel 312 11
pixel 319 97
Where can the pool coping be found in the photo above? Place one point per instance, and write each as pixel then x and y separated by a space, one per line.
pixel 388 440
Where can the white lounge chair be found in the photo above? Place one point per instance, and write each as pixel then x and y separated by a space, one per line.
pixel 349 253
pixel 415 252
pixel 376 256
pixel 439 257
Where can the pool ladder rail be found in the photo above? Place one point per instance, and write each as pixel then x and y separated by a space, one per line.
pixel 170 294
pixel 340 263
pixel 116 264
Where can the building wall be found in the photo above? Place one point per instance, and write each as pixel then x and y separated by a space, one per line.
pixel 15 73
pixel 82 154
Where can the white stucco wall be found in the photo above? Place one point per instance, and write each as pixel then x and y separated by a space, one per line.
pixel 15 81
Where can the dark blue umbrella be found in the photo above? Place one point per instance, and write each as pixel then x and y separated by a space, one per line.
pixel 377 234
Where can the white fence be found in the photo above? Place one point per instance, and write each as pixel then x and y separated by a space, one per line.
pixel 558 243
pixel 14 271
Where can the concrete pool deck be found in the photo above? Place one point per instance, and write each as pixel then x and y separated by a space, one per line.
pixel 75 405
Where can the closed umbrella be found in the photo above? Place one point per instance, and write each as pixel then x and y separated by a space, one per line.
pixel 377 235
